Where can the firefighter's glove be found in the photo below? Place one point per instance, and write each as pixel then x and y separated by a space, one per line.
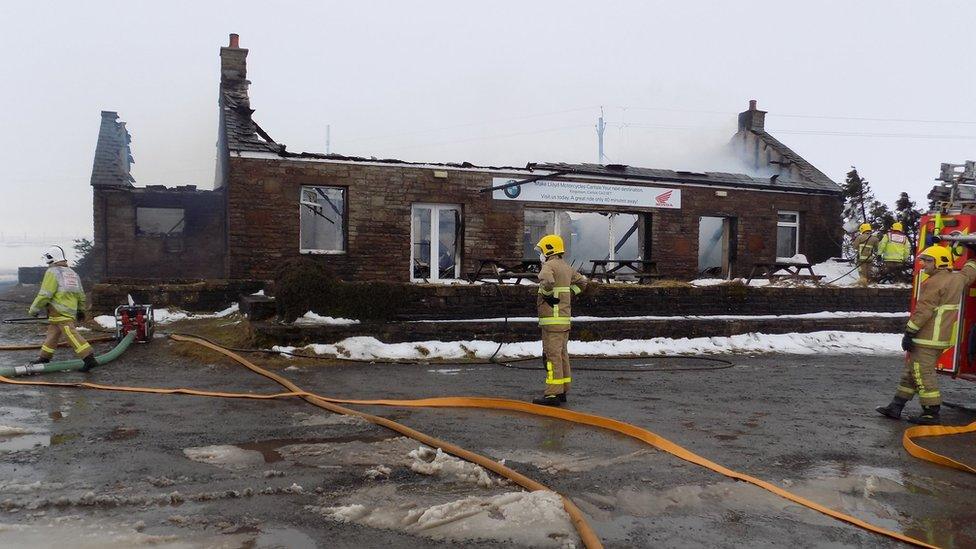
pixel 906 342
pixel 552 301
pixel 80 316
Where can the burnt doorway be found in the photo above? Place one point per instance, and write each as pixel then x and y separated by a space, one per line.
pixel 716 247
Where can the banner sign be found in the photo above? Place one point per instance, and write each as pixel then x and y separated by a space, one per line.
pixel 577 192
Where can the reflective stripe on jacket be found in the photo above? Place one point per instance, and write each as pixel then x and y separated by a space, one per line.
pixel 937 306
pixel 559 280
pixel 895 247
pixel 61 293
pixel 865 244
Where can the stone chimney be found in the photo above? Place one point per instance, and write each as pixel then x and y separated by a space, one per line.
pixel 233 61
pixel 752 119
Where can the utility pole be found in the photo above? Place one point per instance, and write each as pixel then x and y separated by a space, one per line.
pixel 600 127
pixel 328 139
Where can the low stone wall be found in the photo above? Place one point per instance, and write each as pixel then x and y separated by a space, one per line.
pixel 189 295
pixel 422 302
pixel 267 334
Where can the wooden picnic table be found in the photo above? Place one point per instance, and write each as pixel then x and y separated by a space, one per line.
pixel 772 271
pixel 506 268
pixel 609 269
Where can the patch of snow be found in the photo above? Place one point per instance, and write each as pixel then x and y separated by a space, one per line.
pixel 168 316
pixel 312 319
pixel 532 519
pixel 837 273
pixel 259 292
pixel 377 472
pixel 824 342
pixel 224 456
pixel 446 371
pixel 430 462
pixel 105 321
pixel 709 281
pixel 10 431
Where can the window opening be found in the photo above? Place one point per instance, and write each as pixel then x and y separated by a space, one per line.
pixel 787 234
pixel 322 220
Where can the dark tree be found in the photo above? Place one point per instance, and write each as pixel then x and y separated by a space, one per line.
pixel 909 215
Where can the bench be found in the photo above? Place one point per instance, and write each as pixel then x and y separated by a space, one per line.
pixel 609 269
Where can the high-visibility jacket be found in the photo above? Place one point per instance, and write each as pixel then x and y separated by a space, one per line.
pixel 61 293
pixel 559 280
pixel 864 245
pixel 937 306
pixel 895 247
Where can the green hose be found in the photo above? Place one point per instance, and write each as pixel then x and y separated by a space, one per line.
pixel 67 365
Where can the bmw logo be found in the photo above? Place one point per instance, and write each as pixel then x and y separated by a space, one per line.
pixel 514 190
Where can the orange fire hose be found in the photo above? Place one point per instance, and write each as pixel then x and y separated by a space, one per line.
pixel 936 431
pixel 586 533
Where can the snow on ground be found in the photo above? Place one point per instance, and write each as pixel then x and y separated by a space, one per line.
pixel 312 319
pixel 431 462
pixel 825 342
pixel 820 315
pixel 533 519
pixel 168 316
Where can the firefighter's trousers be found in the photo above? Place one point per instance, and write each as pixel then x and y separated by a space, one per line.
pixel 864 272
pixel 67 329
pixel 557 360
pixel 919 376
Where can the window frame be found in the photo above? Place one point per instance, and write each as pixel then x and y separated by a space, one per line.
pixel 793 224
pixel 345 220
pixel 170 234
pixel 435 244
pixel 557 225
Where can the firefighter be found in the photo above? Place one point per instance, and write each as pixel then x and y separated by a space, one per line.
pixel 63 297
pixel 865 244
pixel 894 250
pixel 931 330
pixel 558 283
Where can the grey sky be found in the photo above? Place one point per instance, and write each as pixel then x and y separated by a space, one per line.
pixel 510 81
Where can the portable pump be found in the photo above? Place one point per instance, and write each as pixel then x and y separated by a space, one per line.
pixel 138 319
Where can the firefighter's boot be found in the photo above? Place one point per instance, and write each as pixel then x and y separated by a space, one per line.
pixel 893 409
pixel 39 360
pixel 929 416
pixel 549 400
pixel 90 363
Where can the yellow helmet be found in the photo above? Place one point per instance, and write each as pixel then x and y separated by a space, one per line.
pixel 941 255
pixel 897 226
pixel 864 228
pixel 551 244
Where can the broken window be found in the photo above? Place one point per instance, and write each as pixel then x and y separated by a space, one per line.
pixel 323 220
pixel 787 234
pixel 436 238
pixel 160 221
pixel 586 235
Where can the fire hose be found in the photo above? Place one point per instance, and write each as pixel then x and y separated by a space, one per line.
pixel 67 365
pixel 586 533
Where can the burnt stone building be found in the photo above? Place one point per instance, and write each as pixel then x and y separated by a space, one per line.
pixel 372 219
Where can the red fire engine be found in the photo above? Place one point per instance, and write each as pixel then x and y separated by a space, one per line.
pixel 953 224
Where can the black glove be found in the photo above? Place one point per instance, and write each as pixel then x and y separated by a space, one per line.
pixel 906 342
pixel 80 316
pixel 552 301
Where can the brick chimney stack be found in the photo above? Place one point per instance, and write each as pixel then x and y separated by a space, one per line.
pixel 233 61
pixel 752 119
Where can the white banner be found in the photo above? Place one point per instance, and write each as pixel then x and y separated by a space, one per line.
pixel 577 192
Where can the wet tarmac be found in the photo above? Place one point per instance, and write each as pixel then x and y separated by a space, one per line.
pixel 98 469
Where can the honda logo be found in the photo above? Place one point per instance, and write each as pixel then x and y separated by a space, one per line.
pixel 664 198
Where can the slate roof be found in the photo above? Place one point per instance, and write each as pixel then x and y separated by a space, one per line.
pixel 700 178
pixel 243 134
pixel 113 157
pixel 814 179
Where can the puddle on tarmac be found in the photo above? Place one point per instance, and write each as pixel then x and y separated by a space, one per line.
pixel 22 429
pixel 535 519
pixel 81 533
pixel 247 454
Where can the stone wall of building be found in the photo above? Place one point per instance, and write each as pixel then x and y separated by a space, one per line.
pixel 121 252
pixel 263 218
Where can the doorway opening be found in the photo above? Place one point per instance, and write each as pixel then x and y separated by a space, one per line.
pixel 716 247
